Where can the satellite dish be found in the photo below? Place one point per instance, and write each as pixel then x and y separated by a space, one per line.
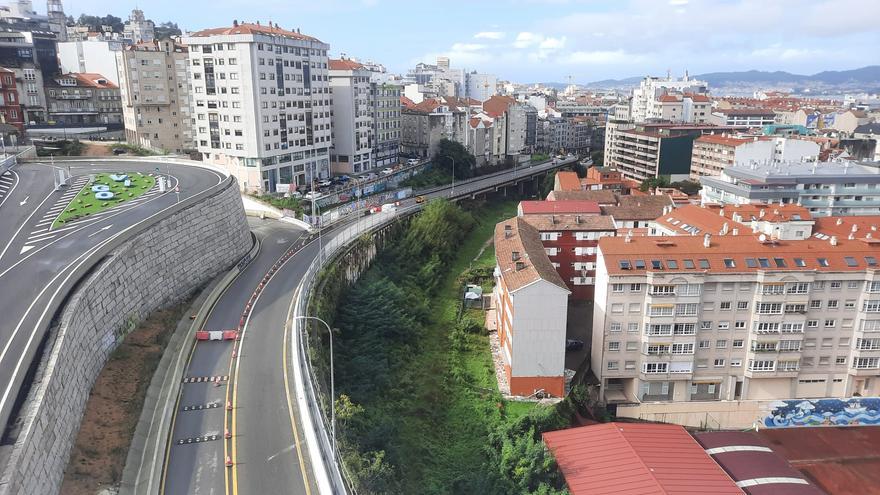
pixel 762 237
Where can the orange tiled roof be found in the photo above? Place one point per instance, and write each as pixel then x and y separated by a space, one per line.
pixel 93 80
pixel 249 28
pixel 568 181
pixel 722 140
pixel 736 254
pixel 515 238
pixel 344 64
pixel 567 222
pixel 844 226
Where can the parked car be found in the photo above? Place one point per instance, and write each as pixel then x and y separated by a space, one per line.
pixel 573 345
pixel 313 195
pixel 325 183
pixel 412 161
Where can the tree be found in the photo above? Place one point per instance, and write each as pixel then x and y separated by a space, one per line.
pixel 689 187
pixel 654 183
pixel 452 157
pixel 167 30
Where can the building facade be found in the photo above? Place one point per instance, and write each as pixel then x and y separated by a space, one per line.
pixel 138 29
pixel 83 99
pixel 154 87
pixel 261 102
pixel 530 301
pixel 95 56
pixel 18 53
pixel 385 100
pixel 825 188
pixel 10 108
pixel 713 153
pixel 352 117
pixel 706 318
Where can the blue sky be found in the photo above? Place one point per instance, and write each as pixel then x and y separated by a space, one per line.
pixel 549 40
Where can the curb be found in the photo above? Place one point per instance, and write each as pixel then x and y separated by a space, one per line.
pixel 144 463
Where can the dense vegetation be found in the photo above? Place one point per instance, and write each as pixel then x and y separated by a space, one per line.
pixel 428 178
pixel 688 187
pixel 65 147
pixel 453 158
pixel 418 409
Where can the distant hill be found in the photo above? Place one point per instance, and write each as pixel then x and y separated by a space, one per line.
pixel 867 76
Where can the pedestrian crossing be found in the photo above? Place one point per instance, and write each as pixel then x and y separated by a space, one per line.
pixel 44 232
pixel 7 180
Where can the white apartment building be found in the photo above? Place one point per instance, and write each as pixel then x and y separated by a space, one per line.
pixel 712 153
pixel 351 118
pixel 155 88
pixel 646 98
pixel 95 56
pixel 530 301
pixel 261 103
pixel 137 28
pixel 709 318
pixel 385 99
pixel 479 86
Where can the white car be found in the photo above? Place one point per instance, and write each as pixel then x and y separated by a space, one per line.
pixel 313 195
pixel 325 183
pixel 388 171
pixel 412 161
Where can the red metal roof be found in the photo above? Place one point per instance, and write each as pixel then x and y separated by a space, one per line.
pixel 565 206
pixel 636 458
pixel 751 462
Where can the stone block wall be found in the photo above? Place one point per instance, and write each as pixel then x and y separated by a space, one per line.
pixel 157 267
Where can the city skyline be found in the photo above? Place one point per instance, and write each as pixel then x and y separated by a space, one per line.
pixel 545 40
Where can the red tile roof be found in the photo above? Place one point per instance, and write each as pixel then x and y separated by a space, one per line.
pixel 94 80
pixel 842 227
pixel 566 206
pixel 746 111
pixel 740 250
pixel 345 64
pixel 601 196
pixel 521 257
pixel 636 459
pixel 248 28
pixel 407 102
pixel 496 105
pixel 722 140
pixel 568 181
pixel 571 223
pixel 669 99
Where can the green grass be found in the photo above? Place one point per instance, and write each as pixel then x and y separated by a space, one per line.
pixel 449 441
pixel 85 204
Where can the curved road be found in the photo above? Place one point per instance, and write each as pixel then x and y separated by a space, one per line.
pixel 35 261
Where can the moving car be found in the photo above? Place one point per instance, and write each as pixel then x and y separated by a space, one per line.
pixel 388 171
pixel 420 199
pixel 573 345
pixel 412 161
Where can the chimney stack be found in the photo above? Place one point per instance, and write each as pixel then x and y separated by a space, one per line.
pixel 833 240
pixel 707 240
pixel 514 256
pixel 839 221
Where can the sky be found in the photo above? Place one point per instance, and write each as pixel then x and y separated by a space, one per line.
pixel 558 40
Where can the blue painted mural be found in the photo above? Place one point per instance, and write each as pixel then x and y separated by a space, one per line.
pixel 824 412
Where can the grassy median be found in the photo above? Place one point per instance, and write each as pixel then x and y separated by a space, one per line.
pixel 85 203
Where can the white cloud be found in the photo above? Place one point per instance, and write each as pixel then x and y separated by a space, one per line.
pixel 490 35
pixel 678 2
pixel 604 57
pixel 526 39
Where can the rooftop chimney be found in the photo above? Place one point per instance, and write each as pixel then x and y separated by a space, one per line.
pixel 508 231
pixel 235 23
pixel 706 240
pixel 629 236
pixel 577 219
pixel 721 211
pixel 735 231
pixel 839 221
pixel 855 228
pixel 761 213
pixel 833 240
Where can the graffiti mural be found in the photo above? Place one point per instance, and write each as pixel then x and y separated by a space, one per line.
pixel 824 412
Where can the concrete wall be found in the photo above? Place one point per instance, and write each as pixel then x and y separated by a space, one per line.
pixel 159 266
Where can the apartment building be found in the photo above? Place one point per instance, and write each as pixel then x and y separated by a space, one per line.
pixel 783 222
pixel 651 150
pixel 707 318
pixel 18 53
pixel 385 98
pixel 10 108
pixel 138 29
pixel 83 99
pixel 713 153
pixel 424 124
pixel 155 90
pixel 680 107
pixel 824 188
pixel 743 118
pixel 530 301
pixel 646 99
pixel 352 117
pixel 261 103
pixel 570 241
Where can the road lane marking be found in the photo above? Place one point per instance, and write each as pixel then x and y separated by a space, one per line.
pixel 287 329
pixel 26 220
pixel 102 229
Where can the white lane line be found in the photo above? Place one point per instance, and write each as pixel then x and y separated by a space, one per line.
pixel 41 239
pixel 44 222
pixel 18 231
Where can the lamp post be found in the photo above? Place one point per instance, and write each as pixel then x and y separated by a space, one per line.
pixel 332 383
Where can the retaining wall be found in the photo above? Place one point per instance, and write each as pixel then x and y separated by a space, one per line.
pixel 156 267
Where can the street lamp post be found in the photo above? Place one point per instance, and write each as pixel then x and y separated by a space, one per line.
pixel 332 382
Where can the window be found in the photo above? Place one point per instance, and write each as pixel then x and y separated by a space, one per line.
pixel 822 261
pixel 738 343
pixel 840 360
pixel 791 327
pixel 739 325
pixel 761 365
pixel 830 323
pixel 704 264
pixel 688 309
pixel 795 308
pixel 870 261
pixel 689 264
pixel 683 329
pixel 742 305
pixel 736 363
pixel 635 287
pixel 654 330
pixel 815 304
pixel 632 345
pixel 812 323
pixel 769 308
pixel 832 304
pixel 655 367
pixel 683 348
pixel 729 263
pixel 871 306
pixel 624 265
pixel 721 344
pixel 614 327
pixel 635 307
pixel 866 363
pixel 850 261
pixel 836 285
pixel 852 284
pixel 617 288
pixel 751 263
pixel 613 346
pixel 872 344
pixel 632 327
pixel 725 306
pixel 780 262
pixel 617 308
pixel 719 363
pixel 849 304
pixel 789 345
pixel 797 288
pixel 656 349
pixel 766 327
pixel 872 286
pixel 799 262
pixel 723 325
pixel 705 344
pixel 707 325
pixel 613 365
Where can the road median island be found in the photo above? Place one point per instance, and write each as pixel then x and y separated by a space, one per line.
pixel 105 192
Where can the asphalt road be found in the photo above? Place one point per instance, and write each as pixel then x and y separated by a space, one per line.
pixel 35 261
pixel 266 433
